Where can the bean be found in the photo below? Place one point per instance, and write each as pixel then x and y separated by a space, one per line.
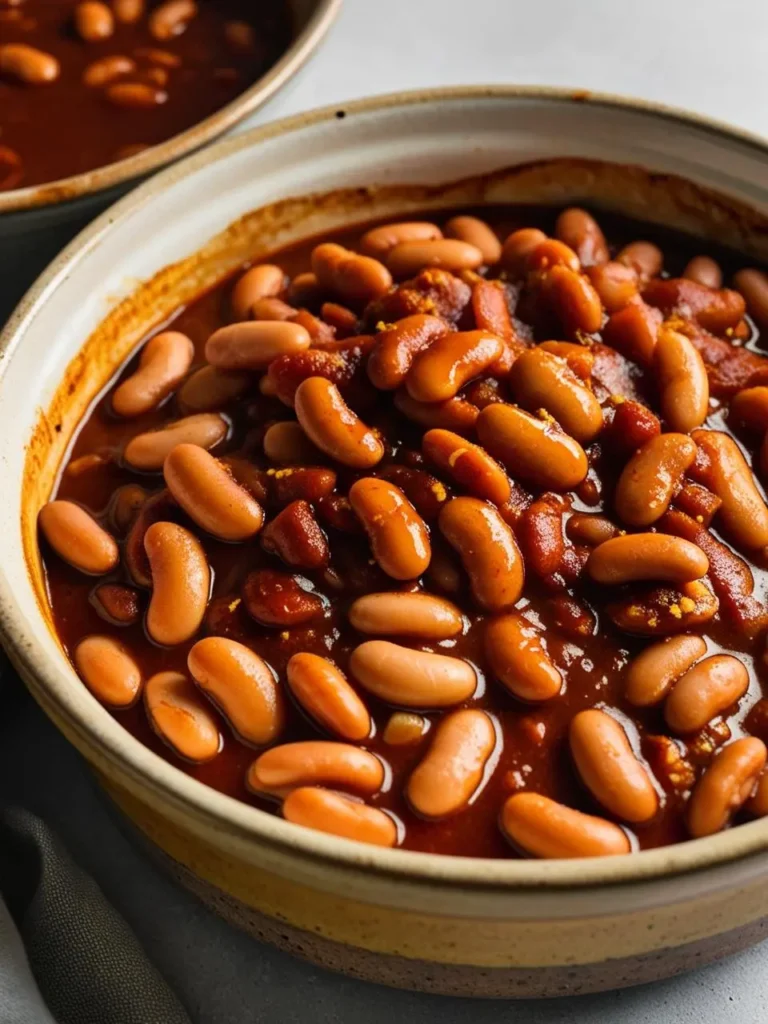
pixel 647 556
pixel 116 604
pixel 378 241
pixel 453 414
pixel 406 259
pixel 260 282
pixel 163 363
pixel 136 95
pixel 516 248
pixel 450 362
pixel 651 477
pixel 683 382
pixel 543 828
pixel 582 233
pixel 572 300
pixel 579 358
pixel 653 672
pixel 343 320
pixel 315 762
pixel 148 451
pixel 519 660
pixel 452 771
pixel 753 285
pixel 590 530
pixel 535 450
pixel 488 551
pixel 397 347
pixel 324 693
pixel 295 536
pixel 357 280
pixel 171 18
pixel 633 330
pixel 704 691
pixel 722 468
pixel 645 258
pixel 209 389
pixel 28 64
pixel 749 409
pixel 330 424
pixel 404 729
pixel 107 69
pixel 287 444
pixel 108 670
pixel 242 685
pixel 418 615
pixel 541 380
pixel 181 583
pixel 253 344
pixel 181 718
pixel 272 309
pixel 304 290
pixel 76 537
pixel 240 36
pixel 758 802
pixel 209 495
pixel 398 535
pixel 615 283
pixel 552 253
pixel 125 504
pixel 608 767
pixel 704 270
pixel 339 815
pixel 129 11
pixel 94 21
pixel 469 465
pixel 412 679
pixel 725 786
pixel 477 233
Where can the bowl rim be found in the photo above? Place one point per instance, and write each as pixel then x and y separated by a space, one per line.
pixel 148 771
pixel 99 179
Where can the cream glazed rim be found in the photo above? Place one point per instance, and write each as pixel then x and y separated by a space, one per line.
pixel 243 823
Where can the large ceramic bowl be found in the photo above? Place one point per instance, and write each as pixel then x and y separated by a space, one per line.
pixel 447 924
pixel 36 222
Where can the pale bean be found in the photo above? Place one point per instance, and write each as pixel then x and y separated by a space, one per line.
pixel 590 530
pixel 181 583
pixel 645 258
pixel 583 234
pixel 749 408
pixel 171 18
pixel 253 344
pixel 339 815
pixel 412 679
pixel 136 95
pixel 209 495
pixel 209 389
pixel 397 347
pixel 705 691
pixel 242 685
pixel 148 451
pixel 552 253
pixel 647 556
pixel 76 537
pixel 453 414
pixel 315 763
pixel 488 551
pixel 652 477
pixel 107 69
pixel 743 514
pixel 406 259
pixel 476 232
pixel 129 11
pixel 653 672
pixel 94 21
pixel 572 300
pixel 609 768
pixel 263 281
pixel 324 693
pixel 405 729
pixel 725 786
pixel 453 770
pixel 273 309
pixel 378 241
pixel 615 283
pixel 468 464
pixel 398 535
pixel 418 615
pixel 28 64
pixel 519 660
pixel 533 450
pixel 287 444
pixel 357 280
pixel 758 802
pixel 704 270
pixel 450 362
pixel 108 670
pixel 541 380
pixel 516 248
pixel 544 828
pixel 330 424
pixel 753 285
pixel 683 381
pixel 181 718
pixel 163 364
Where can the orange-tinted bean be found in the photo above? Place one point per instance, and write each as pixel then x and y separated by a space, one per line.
pixel 552 253
pixel 94 21
pixel 722 468
pixel 609 768
pixel 330 424
pixel 533 450
pixel 579 358
pixel 171 18
pixel 116 604
pixel 704 691
pixel 398 535
pixel 357 280
pixel 253 344
pixel 135 95
pixel 406 259
pixel 704 270
pixel 453 414
pixel 449 776
pixel 287 443
pixel 758 802
pixel 148 451
pixel 544 828
pixel 397 347
pixel 468 464
pixel 273 309
pixel 343 320
pixel 105 70
pixel 541 380
pixel 315 762
pixel 615 283
pixel 478 234
pixel 582 233
pixel 378 241
pixel 518 659
pixel 749 409
pixel 516 248
pixel 653 672
pixel 76 537
pixel 129 11
pixel 27 64
pixel 325 811
pixel 412 679
pixel 590 530
pixel 324 693
pixel 753 285
pixel 263 281
pixel 450 362
pixel 488 551
pixel 181 583
pixel 725 786
pixel 419 615
pixel 651 477
pixel 404 729
pixel 647 556
pixel 683 382
pixel 163 363
pixel 645 258
pixel 181 718
pixel 633 332
pixel 573 300
pixel 209 389
pixel 108 670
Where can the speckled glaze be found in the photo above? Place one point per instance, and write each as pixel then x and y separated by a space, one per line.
pixel 442 924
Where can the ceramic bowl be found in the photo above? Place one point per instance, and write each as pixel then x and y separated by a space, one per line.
pixel 444 924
